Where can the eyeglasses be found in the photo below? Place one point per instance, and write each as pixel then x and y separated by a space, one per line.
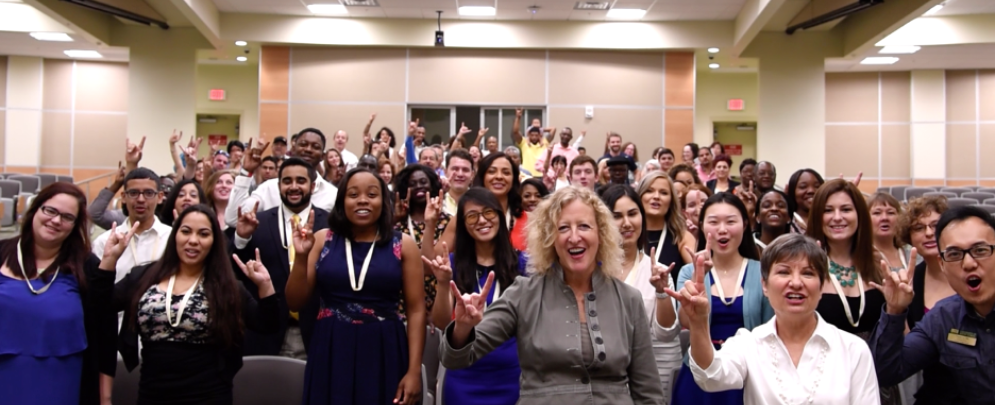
pixel 52 213
pixel 147 193
pixel 474 217
pixel 952 255
pixel 922 228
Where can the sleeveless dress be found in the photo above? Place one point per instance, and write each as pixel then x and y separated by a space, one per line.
pixel 359 350
pixel 726 320
pixel 42 340
pixel 670 253
pixel 494 379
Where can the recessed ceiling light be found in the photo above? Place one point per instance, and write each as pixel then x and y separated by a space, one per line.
pixel 879 60
pixel 713 50
pixel 477 11
pixel 74 53
pixel 935 9
pixel 713 65
pixel 894 49
pixel 626 13
pixel 241 59
pixel 241 43
pixel 327 9
pixel 51 36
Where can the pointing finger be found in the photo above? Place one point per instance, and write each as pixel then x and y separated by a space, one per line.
pixel 258 258
pixel 239 262
pixel 141 145
pixel 487 286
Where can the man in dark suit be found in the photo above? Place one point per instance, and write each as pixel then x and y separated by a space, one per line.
pixel 270 232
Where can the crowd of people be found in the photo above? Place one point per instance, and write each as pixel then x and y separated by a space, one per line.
pixel 533 275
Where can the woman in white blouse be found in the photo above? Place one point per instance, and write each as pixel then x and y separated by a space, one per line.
pixel 796 357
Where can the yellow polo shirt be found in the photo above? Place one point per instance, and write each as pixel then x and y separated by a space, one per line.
pixel 531 153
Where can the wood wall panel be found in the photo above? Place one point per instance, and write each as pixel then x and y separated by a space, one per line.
pixel 273 120
pixel 274 73
pixel 680 79
pixel 986 84
pixel 852 149
pixel 852 97
pixel 348 74
pixel 896 96
pixel 896 151
pixel 56 136
pixel 679 129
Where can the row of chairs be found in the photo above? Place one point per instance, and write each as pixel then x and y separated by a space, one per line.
pixel 17 190
pixel 906 193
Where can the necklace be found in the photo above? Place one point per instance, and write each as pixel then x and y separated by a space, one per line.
pixel 356 286
pixel 739 280
pixel 800 222
pixel 20 263
pixel 843 274
pixel 836 279
pixel 816 378
pixel 901 257
pixel 183 301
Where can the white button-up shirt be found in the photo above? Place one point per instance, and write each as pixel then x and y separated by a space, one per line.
pixel 268 196
pixel 145 247
pixel 836 368
pixel 349 159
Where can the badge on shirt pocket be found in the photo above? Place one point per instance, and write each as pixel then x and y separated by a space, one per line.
pixel 962 337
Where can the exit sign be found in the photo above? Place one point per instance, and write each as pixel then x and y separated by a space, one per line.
pixel 216 95
pixel 736 104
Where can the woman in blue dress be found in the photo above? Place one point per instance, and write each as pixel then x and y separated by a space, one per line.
pixel 483 246
pixel 733 285
pixel 360 351
pixel 56 328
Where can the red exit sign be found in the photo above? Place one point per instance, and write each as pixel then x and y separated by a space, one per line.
pixel 736 104
pixel 216 95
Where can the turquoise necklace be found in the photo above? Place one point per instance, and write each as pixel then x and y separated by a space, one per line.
pixel 845 275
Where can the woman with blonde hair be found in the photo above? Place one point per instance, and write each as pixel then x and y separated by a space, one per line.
pixel 217 189
pixel 666 229
pixel 575 256
pixel 885 212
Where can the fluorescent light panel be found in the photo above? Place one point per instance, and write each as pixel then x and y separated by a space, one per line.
pixel 327 9
pixel 477 11
pixel 241 59
pixel 51 36
pixel 75 53
pixel 713 65
pixel 626 13
pixel 713 50
pixel 241 43
pixel 935 9
pixel 879 60
pixel 899 49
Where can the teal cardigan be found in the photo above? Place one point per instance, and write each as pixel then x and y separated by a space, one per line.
pixel 756 308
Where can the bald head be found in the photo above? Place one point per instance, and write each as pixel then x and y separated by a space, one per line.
pixel 340 139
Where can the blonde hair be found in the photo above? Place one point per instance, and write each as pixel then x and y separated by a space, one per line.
pixel 211 182
pixel 675 217
pixel 543 233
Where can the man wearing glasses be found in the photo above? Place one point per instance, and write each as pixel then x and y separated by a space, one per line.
pixel 142 193
pixel 954 343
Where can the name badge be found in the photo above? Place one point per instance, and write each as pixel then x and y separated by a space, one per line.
pixel 961 337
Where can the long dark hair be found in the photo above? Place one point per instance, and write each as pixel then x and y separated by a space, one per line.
pixel 75 249
pixel 515 194
pixel 339 223
pixel 401 181
pixel 793 187
pixel 465 251
pixel 611 194
pixel 747 247
pixel 166 209
pixel 222 289
pixel 862 242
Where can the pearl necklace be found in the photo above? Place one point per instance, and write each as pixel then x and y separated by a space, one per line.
pixel 775 361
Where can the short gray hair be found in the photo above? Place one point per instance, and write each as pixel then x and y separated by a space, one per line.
pixel 794 245
pixel 512 151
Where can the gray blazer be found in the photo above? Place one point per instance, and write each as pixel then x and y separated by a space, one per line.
pixel 541 312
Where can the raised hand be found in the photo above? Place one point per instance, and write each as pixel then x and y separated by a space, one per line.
pixel 247 222
pixel 132 152
pixel 897 288
pixel 254 158
pixel 518 112
pixel 117 243
pixel 469 308
pixel 856 180
pixel 304 236
pixel 175 137
pixel 441 267
pixel 693 300
pixel 661 275
pixel 118 181
pixel 482 132
pixel 254 270
pixel 413 126
pixel 691 225
pixel 749 198
pixel 463 130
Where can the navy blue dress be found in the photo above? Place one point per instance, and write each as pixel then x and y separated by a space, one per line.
pixel 359 351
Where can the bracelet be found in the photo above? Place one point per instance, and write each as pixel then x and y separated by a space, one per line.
pixel 662 296
pixel 243 172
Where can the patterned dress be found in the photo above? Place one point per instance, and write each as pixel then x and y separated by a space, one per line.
pixel 416 231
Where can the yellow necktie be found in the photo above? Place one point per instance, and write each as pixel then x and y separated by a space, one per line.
pixel 294 220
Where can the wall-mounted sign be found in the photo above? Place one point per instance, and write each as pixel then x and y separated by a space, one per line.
pixel 216 95
pixel 733 150
pixel 736 104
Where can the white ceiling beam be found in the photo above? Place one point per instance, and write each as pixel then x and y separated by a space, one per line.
pixel 947 30
pixel 752 18
pixel 204 16
pixel 861 31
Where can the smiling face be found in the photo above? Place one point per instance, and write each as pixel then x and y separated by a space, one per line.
pixel 236 154
pixel 583 175
pixel 309 148
pixel 765 176
pixel 722 170
pixel 52 229
pixel 725 224
pixel 279 149
pixel 773 211
pixel 793 287
pixel 565 137
pixel 475 153
pixel 618 174
pixel 693 202
pixel 429 158
pixel 615 144
pixel 194 239
pixel 630 150
pixel 419 186
pixel 295 188
pixel 363 199
pixel 222 190
pixel 460 173
pixel 684 177
pixel 656 198
pixel 629 220
pixel 492 144
pixel 187 196
pixel 530 197
pixel 687 154
pixel 704 156
pixel 969 277
pixel 923 235
pixel 340 139
pixel 666 161
pixel 220 162
pixel 805 191
pixel 486 226
pixel 884 218
pixel 333 158
pixel 386 173
pixel 498 178
pixel 577 238
pixel 839 219
pixel 746 174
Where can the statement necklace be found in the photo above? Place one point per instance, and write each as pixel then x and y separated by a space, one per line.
pixel 845 275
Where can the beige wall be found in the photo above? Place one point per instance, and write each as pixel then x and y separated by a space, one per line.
pixel 241 84
pixel 648 97
pixel 712 92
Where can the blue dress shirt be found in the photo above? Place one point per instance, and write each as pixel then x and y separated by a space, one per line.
pixel 953 373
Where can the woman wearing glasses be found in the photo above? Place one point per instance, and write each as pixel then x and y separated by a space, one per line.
pixel 56 329
pixel 483 246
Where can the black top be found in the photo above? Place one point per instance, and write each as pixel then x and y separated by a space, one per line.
pixel 917 309
pixel 181 373
pixel 670 253
pixel 831 309
pixel 713 182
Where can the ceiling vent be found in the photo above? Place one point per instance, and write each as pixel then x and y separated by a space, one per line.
pixel 592 5
pixel 360 3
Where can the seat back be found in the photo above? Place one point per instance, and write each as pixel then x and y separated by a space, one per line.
pixel 126 384
pixel 45 179
pixel 898 192
pixel 265 380
pixel 916 192
pixel 981 197
pixel 67 179
pixel 985 190
pixel 960 202
pixel 9 188
pixel 886 190
pixel 941 194
pixel 29 184
pixel 956 190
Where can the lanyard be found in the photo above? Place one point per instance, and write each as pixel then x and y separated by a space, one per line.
pixel 901 256
pixel 356 286
pixel 659 245
pixel 20 262
pixel 497 292
pixel 760 243
pixel 183 301
pixel 739 280
pixel 411 229
pixel 846 304
pixel 800 220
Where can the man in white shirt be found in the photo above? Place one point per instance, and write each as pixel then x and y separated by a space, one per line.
pixel 339 141
pixel 142 193
pixel 271 232
pixel 459 173
pixel 309 146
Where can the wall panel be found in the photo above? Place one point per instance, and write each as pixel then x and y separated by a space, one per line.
pixel 896 94
pixel 680 77
pixel 350 118
pixel 636 125
pixel 961 151
pixel 851 97
pixel 467 76
pixel 56 136
pixel 851 149
pixel 95 135
pixel 57 85
pixel 3 81
pixel 101 86
pixel 960 89
pixel 987 141
pixel 896 151
pixel 986 84
pixel 679 128
pixel 606 78
pixel 274 73
pixel 348 74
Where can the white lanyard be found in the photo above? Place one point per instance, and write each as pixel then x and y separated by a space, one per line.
pixel 497 292
pixel 507 220
pixel 739 280
pixel 411 228
pixel 846 304
pixel 134 251
pixel 631 278
pixel 356 286
pixel 20 263
pixel 183 301
pixel 901 256
pixel 760 243
pixel 659 245
pixel 800 220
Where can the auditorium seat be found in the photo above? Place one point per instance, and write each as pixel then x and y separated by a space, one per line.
pixel 67 179
pixel 916 192
pixel 960 202
pixel 265 380
pixel 898 192
pixel 949 195
pixel 985 190
pixel 46 179
pixel 981 197
pixel 988 208
pixel 29 184
pixel 956 190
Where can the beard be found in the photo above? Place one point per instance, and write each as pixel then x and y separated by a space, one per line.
pixel 305 200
